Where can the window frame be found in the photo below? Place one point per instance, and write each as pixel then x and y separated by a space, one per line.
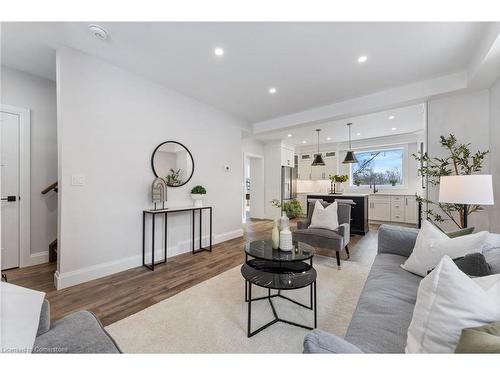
pixel 404 166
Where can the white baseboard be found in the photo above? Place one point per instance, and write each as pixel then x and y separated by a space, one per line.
pixel 36 258
pixel 67 279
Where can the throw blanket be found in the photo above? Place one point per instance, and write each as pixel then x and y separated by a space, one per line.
pixel 19 317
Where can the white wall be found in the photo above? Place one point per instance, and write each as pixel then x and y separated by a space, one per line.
pixel 39 96
pixel 109 122
pixel 494 211
pixel 467 116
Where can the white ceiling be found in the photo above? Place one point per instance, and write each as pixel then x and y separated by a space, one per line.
pixel 310 64
pixel 406 120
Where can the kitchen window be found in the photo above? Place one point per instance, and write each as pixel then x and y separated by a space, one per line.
pixel 382 167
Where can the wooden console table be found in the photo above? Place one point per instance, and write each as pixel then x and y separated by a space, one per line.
pixel 165 212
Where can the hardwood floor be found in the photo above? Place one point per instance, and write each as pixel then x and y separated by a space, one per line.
pixel 117 296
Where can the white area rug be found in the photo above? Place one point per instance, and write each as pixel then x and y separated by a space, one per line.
pixel 211 317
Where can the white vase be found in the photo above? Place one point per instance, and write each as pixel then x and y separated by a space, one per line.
pixel 276 235
pixel 286 243
pixel 197 199
pixel 284 221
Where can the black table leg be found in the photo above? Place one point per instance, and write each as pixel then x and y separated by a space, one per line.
pixel 315 308
pixel 249 308
pixel 165 234
pixel 143 238
pixel 210 234
pixel 153 246
pixel 200 228
pixel 246 291
pixel 193 229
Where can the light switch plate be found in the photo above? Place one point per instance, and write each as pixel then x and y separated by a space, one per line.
pixel 77 180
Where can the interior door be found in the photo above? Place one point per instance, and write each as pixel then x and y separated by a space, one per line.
pixel 9 161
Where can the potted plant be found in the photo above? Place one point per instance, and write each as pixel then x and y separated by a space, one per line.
pixel 357 182
pixel 393 181
pixel 340 178
pixel 197 194
pixel 458 160
pixel 292 208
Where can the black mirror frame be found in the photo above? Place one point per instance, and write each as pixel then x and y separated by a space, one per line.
pixel 180 144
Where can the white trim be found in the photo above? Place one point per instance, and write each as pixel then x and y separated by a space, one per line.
pixel 37 258
pixel 67 279
pixel 25 258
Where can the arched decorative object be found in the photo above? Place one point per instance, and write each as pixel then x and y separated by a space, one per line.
pixel 159 190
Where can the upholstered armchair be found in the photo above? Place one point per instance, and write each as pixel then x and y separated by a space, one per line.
pixel 336 240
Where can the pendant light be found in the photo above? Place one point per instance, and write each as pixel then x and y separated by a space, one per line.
pixel 350 158
pixel 318 159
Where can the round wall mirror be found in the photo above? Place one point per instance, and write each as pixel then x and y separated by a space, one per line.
pixel 174 162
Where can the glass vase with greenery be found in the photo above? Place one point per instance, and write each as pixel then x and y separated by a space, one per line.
pixel 340 178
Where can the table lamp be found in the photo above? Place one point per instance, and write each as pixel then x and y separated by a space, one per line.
pixel 466 190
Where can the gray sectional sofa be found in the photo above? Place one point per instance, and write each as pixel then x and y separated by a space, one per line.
pixel 385 307
pixel 80 332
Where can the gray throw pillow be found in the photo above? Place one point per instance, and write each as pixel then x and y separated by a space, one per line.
pixel 460 232
pixel 484 339
pixel 473 265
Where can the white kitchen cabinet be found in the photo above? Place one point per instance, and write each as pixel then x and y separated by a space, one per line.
pixel 379 208
pixel 411 209
pixel 304 172
pixel 330 166
pixel 393 208
pixel 287 155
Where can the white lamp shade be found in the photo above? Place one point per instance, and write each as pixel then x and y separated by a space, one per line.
pixel 466 189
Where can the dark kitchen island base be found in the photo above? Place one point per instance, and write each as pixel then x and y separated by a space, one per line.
pixel 359 213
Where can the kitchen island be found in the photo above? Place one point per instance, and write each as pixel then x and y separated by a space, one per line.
pixel 359 211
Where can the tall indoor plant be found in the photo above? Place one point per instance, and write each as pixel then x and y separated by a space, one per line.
pixel 459 161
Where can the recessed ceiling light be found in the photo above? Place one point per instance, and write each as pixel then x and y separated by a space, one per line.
pixel 358 133
pixel 328 138
pixel 289 135
pixel 272 90
pixel 362 59
pixel 98 32
pixel 304 141
pixel 218 51
pixel 394 128
pixel 392 117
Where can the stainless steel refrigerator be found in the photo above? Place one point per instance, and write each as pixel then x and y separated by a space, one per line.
pixel 288 183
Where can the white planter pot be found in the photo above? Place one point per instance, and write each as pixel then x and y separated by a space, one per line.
pixel 197 199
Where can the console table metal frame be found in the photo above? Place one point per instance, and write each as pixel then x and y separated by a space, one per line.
pixel 269 297
pixel 165 212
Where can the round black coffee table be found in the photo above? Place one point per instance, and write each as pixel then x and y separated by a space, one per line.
pixel 278 270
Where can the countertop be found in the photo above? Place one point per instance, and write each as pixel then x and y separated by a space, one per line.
pixel 359 194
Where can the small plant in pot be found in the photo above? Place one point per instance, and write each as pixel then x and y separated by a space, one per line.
pixel 393 181
pixel 291 208
pixel 197 194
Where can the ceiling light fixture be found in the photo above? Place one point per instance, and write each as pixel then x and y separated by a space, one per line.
pixel 392 117
pixel 218 51
pixel 98 32
pixel 394 128
pixel 328 138
pixel 350 158
pixel 318 159
pixel 289 135
pixel 272 90
pixel 362 59
pixel 304 142
pixel 358 133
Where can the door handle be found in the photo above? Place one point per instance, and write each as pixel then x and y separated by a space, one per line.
pixel 10 198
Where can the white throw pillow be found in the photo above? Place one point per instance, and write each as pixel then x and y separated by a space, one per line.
pixel 448 301
pixel 432 244
pixel 325 218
